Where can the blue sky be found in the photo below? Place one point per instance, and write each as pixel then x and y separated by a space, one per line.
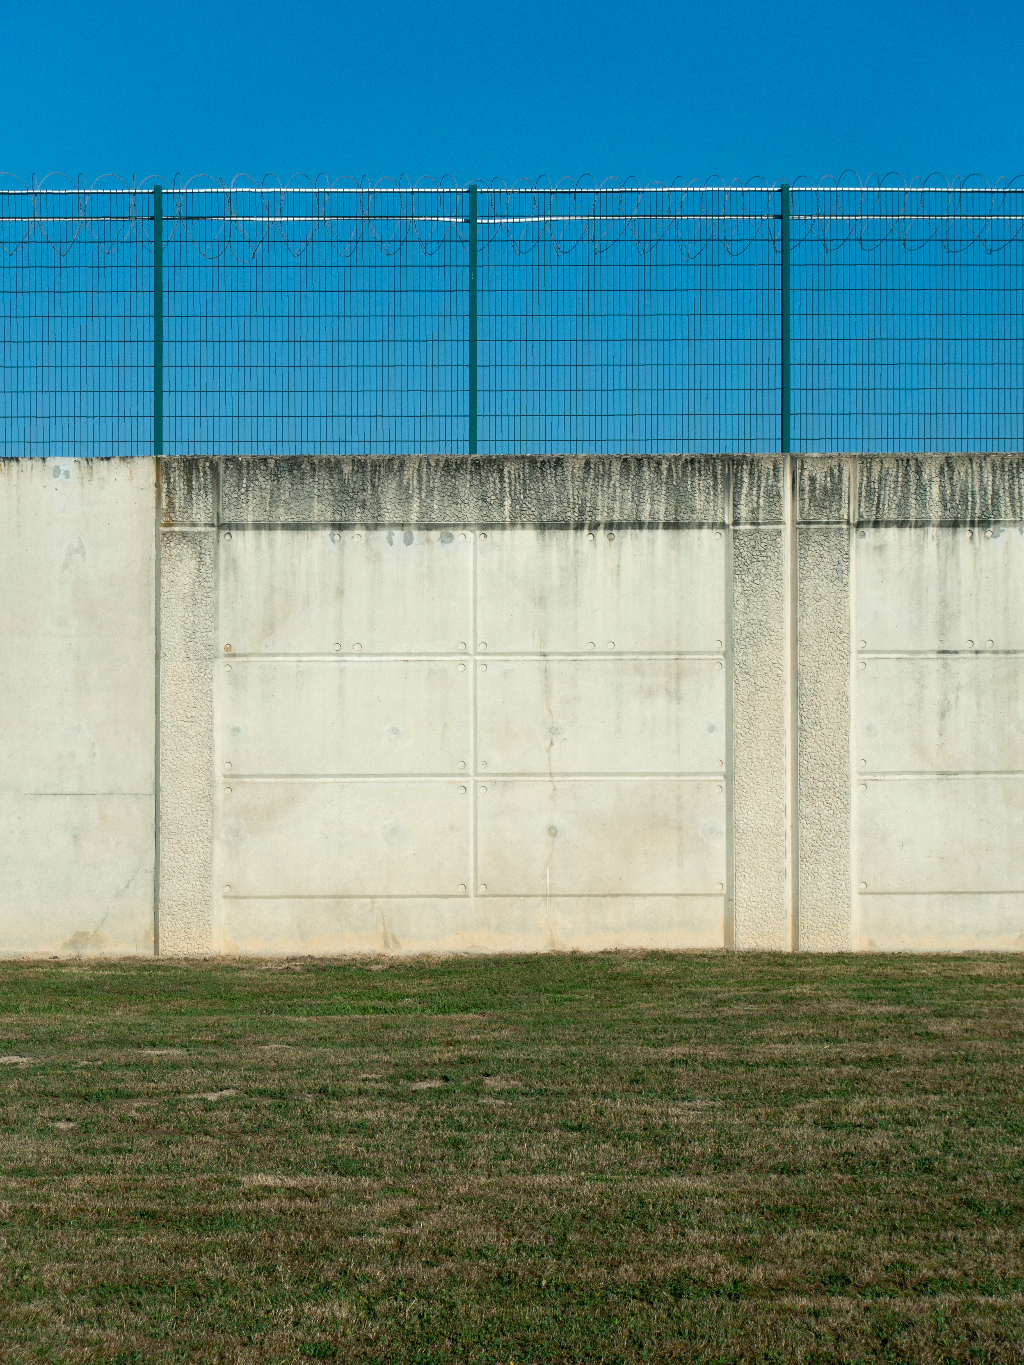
pixel 648 88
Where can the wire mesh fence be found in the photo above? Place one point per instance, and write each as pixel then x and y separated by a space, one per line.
pixel 408 319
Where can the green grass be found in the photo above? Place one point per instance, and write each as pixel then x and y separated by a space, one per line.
pixel 617 1158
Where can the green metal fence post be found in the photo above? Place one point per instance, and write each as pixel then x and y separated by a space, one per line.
pixel 158 320
pixel 784 310
pixel 472 319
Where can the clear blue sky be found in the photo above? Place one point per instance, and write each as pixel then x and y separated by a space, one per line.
pixel 647 88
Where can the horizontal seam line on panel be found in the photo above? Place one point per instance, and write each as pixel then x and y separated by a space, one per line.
pixel 1018 891
pixel 107 793
pixel 482 895
pixel 409 656
pixel 939 653
pixel 943 774
pixel 488 776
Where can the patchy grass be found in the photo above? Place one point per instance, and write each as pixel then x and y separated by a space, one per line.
pixel 531 1159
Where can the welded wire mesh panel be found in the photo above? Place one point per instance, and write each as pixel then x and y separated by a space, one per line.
pixel 907 319
pixel 76 293
pixel 336 319
pixel 619 320
pixel 315 321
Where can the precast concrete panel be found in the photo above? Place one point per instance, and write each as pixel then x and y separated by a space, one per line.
pixel 323 591
pixel 76 623
pixel 929 588
pixel 346 716
pixel 486 924
pixel 941 923
pixel 372 838
pixel 636 589
pixel 592 923
pixel 948 713
pixel 77 686
pixel 413 924
pixel 71 701
pixel 76 874
pixel 938 737
pixel 941 834
pixel 353 653
pixel 594 837
pixel 603 715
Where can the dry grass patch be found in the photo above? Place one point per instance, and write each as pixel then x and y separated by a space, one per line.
pixel 613 1158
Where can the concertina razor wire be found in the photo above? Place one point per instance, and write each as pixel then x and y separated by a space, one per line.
pixel 239 218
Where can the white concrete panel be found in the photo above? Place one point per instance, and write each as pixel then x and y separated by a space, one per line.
pixel 602 715
pixel 940 587
pixel 639 590
pixel 941 924
pixel 76 626
pixel 947 714
pixel 76 874
pixel 77 693
pixel 593 837
pixel 382 591
pixel 485 925
pixel 592 924
pixel 78 712
pixel 351 716
pixel 940 834
pixel 315 838
pixel 383 925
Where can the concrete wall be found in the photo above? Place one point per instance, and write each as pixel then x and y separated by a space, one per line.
pixel 453 704
pixel 77 705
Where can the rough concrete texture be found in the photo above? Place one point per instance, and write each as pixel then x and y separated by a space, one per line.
pixel 955 489
pixel 78 701
pixel 187 626
pixel 524 703
pixel 823 738
pixel 188 492
pixel 556 491
pixel 823 490
pixel 759 490
pixel 759 740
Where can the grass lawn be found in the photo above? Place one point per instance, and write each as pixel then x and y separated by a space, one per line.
pixel 620 1157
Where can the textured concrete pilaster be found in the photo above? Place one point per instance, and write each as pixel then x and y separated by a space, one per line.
pixel 187 642
pixel 823 706
pixel 759 729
